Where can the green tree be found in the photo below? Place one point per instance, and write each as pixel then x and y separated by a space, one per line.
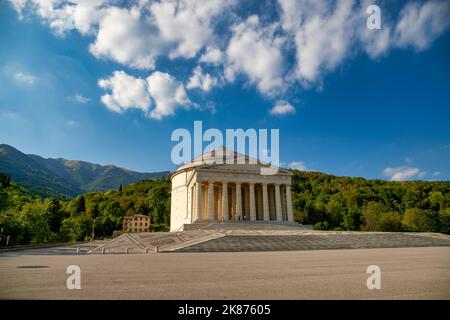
pixel 53 211
pixel 78 205
pixel 352 218
pixel 335 208
pixel 13 227
pixel 158 199
pixel 389 221
pixel 436 200
pixel 371 214
pixel 415 219
pixel 444 219
pixel 93 210
pixel 5 180
pixel 37 221
pixel 71 229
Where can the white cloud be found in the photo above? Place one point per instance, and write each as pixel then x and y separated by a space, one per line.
pixel 19 6
pixel 127 92
pixel 326 33
pixel 24 77
pixel 298 165
pixel 125 36
pixel 167 93
pixel 200 80
pixel 403 173
pixel 420 23
pixel 135 35
pixel 187 23
pixel 282 108
pixel 323 33
pixel 375 42
pixel 63 15
pixel 79 98
pixel 86 15
pixel 436 173
pixel 257 52
pixel 212 55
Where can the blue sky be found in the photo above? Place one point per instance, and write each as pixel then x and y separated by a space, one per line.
pixel 108 83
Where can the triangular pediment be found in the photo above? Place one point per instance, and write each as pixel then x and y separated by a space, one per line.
pixel 223 159
pixel 242 168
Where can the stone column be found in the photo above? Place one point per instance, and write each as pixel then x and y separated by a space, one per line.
pixel 233 203
pixel 252 202
pixel 278 209
pixel 210 205
pixel 198 200
pixel 290 215
pixel 224 201
pixel 238 201
pixel 266 214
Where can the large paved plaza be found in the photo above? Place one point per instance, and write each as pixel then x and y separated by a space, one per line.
pixel 406 273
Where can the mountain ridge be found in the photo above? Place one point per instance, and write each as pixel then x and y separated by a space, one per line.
pixel 66 178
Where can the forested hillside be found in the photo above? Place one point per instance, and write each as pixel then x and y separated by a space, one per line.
pixel 343 203
pixel 63 178
pixel 328 202
pixel 31 219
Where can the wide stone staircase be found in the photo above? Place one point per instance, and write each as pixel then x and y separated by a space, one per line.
pixel 189 235
pixel 261 236
pixel 147 242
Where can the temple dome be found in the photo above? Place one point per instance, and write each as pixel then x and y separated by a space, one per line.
pixel 218 155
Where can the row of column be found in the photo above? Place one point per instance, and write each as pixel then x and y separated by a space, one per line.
pixel 238 202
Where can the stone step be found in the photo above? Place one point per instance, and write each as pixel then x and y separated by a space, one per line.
pixel 316 241
pixel 122 244
pixel 245 225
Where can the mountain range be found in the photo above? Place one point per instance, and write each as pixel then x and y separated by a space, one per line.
pixel 66 178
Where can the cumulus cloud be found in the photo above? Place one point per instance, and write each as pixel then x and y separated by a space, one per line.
pixel 127 92
pixel 200 80
pixel 326 33
pixel 403 173
pixel 256 51
pixel 167 93
pixel 160 91
pixel 187 23
pixel 212 55
pixel 420 23
pixel 23 77
pixel 298 165
pixel 300 44
pixel 63 15
pixel 323 33
pixel 127 37
pixel 282 108
pixel 136 34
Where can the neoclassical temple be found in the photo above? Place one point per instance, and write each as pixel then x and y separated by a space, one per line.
pixel 206 189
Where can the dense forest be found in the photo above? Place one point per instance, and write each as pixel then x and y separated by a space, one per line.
pixel 27 218
pixel 342 203
pixel 328 202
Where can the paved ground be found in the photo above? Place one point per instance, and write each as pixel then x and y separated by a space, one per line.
pixel 318 241
pixel 407 273
pixel 76 249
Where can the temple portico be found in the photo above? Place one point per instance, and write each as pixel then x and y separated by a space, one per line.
pixel 229 192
